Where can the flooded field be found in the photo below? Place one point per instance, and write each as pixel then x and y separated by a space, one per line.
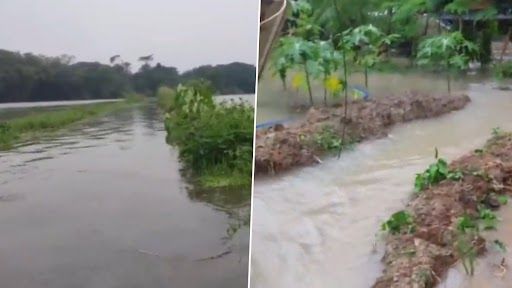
pixel 105 205
pixel 276 103
pixel 319 226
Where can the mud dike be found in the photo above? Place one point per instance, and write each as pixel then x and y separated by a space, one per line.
pixel 282 148
pixel 422 258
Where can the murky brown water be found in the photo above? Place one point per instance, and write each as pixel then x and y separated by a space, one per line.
pixel 104 205
pixel 319 226
pixel 276 103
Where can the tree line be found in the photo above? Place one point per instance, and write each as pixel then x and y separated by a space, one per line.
pixel 28 77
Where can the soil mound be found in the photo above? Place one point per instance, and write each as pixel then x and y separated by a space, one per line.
pixel 281 147
pixel 422 258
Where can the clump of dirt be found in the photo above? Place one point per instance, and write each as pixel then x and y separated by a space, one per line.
pixel 422 258
pixel 281 147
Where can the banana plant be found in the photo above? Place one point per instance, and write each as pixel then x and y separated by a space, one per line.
pixel 450 51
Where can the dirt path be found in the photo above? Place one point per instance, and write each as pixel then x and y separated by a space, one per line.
pixel 446 219
pixel 282 148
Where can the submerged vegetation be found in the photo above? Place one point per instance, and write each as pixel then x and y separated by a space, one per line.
pixel 34 124
pixel 215 140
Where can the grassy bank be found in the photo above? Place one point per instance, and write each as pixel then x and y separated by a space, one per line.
pixel 215 140
pixel 36 123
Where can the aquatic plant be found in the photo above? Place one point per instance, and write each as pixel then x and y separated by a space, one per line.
pixel 400 222
pixel 450 51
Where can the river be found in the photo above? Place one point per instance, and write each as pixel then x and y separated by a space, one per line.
pixel 319 226
pixel 104 205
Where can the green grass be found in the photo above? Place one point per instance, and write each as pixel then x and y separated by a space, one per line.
pixel 36 123
pixel 223 177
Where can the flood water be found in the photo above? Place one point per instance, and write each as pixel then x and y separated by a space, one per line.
pixel 104 205
pixel 319 226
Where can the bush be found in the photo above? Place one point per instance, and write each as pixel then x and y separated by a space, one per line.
pixel 211 138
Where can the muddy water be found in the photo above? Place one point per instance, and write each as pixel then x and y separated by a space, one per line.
pixel 276 103
pixel 318 226
pixel 104 205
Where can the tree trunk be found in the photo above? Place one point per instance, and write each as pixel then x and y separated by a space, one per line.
pixel 345 75
pixel 390 21
pixel 448 78
pixel 345 105
pixel 308 83
pixel 325 97
pixel 366 77
pixel 425 31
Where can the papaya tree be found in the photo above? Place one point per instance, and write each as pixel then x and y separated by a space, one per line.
pixel 450 51
pixel 329 61
pixel 298 54
pixel 369 44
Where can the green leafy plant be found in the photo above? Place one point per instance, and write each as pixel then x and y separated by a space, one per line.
pixel 329 61
pixel 368 43
pixel 434 174
pixel 297 53
pixel 327 139
pixel 466 224
pixel 488 219
pixel 467 252
pixel 450 51
pixel 467 230
pixel 496 131
pixel 214 140
pixel 399 222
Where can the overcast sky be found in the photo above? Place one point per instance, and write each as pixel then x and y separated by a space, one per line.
pixel 180 33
